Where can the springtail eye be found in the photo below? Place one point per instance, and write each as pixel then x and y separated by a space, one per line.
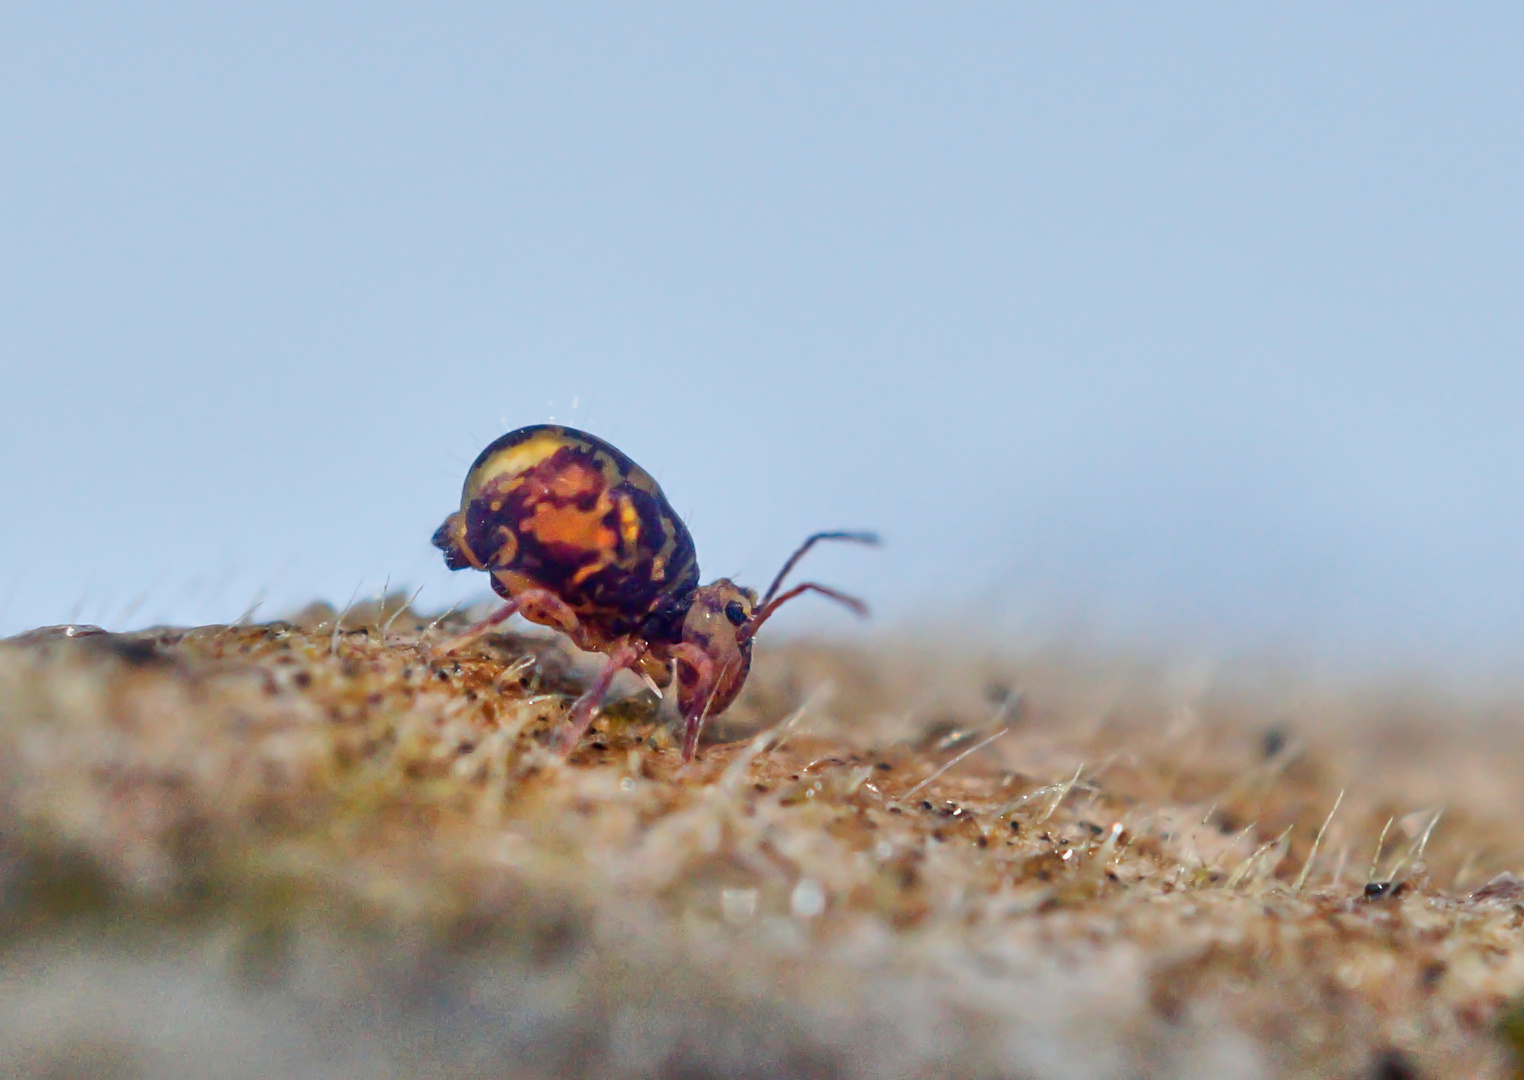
pixel 735 611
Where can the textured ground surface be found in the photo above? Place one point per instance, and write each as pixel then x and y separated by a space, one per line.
pixel 317 850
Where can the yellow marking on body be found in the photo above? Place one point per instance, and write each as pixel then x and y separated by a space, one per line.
pixel 609 465
pixel 588 571
pixel 629 522
pixel 458 534
pixel 659 568
pixel 515 460
pixel 670 529
pixel 507 548
pixel 668 538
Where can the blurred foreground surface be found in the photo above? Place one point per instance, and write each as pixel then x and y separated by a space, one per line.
pixel 316 849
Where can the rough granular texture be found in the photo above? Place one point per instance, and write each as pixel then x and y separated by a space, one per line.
pixel 321 849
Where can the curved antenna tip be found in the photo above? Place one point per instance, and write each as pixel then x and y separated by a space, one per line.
pixel 852 535
pixel 872 539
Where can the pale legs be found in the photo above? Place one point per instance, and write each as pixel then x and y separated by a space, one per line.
pixel 703 688
pixel 548 609
pixel 586 708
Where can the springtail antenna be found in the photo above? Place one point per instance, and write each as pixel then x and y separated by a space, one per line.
pixel 772 602
pixel 868 538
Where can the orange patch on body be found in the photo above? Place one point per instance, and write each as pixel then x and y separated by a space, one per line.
pixel 576 480
pixel 571 527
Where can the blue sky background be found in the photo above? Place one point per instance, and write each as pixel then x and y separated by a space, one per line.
pixel 1197 325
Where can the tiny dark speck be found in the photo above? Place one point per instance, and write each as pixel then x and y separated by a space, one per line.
pixel 302 679
pixel 1274 741
pixel 465 747
pixel 1393 1064
pixel 884 765
pixel 1379 890
pixel 137 653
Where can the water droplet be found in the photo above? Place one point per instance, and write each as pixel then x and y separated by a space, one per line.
pixel 738 905
pixel 807 900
